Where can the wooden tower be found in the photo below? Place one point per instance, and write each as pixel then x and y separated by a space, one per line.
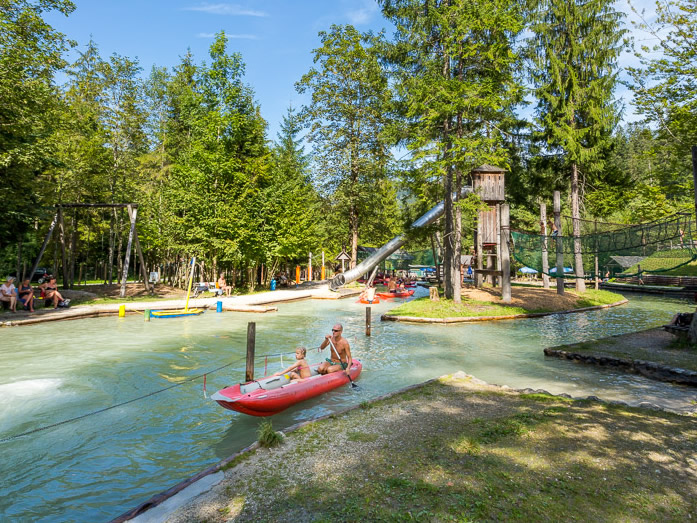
pixel 488 182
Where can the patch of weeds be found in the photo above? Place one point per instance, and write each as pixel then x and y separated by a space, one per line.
pixel 362 437
pixel 267 436
pixel 544 397
pixel 239 459
pixel 467 446
pixel 552 411
pixel 224 511
pixel 681 343
pixel 307 429
pixel 514 426
pixel 365 405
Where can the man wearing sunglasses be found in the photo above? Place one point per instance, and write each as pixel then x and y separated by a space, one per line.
pixel 340 352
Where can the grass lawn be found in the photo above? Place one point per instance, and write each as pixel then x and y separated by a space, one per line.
pixel 526 300
pixel 456 451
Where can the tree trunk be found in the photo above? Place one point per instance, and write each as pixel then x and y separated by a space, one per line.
pixel 576 218
pixel 545 252
pixel 110 260
pixel 353 225
pixel 457 248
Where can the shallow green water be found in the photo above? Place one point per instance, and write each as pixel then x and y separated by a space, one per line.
pixel 100 466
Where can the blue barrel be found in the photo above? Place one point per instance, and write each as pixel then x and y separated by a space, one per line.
pixel 273 284
pixel 219 306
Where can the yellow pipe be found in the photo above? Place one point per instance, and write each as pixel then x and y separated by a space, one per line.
pixel 191 279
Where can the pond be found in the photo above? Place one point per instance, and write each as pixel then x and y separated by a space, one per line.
pixel 101 465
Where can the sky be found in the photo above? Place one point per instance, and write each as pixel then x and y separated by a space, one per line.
pixel 275 37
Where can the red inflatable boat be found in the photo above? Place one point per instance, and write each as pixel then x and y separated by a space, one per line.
pixel 363 299
pixel 269 396
pixel 399 294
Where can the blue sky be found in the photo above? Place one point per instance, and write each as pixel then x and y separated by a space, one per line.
pixel 275 37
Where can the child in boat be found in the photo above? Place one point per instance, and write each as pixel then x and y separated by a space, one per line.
pixel 300 369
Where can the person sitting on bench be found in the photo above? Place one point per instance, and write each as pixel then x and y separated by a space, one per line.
pixel 7 293
pixel 51 292
pixel 26 295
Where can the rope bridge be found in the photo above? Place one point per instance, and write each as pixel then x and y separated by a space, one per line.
pixel 654 247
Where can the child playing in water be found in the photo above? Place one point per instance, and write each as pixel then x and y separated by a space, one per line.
pixel 300 369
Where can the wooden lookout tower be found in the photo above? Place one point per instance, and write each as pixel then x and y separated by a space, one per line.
pixel 488 183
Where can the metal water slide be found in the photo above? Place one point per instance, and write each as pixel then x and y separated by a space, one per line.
pixel 390 247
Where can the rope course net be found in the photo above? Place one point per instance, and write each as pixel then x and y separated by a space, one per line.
pixel 622 250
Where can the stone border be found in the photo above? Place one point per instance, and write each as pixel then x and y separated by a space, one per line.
pixel 158 499
pixel 468 319
pixel 648 369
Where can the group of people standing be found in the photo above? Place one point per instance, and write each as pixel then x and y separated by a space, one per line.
pixel 24 294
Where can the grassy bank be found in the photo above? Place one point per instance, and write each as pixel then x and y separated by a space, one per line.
pixel 488 303
pixel 457 451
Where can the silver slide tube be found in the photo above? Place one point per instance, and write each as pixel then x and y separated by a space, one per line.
pixel 390 247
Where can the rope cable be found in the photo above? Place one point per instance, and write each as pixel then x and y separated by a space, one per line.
pixel 132 400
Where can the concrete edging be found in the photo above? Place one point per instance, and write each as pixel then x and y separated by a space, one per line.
pixel 469 319
pixel 648 369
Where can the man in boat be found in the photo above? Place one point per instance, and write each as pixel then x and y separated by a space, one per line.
pixel 340 352
pixel 391 285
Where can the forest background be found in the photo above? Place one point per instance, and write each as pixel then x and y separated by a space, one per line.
pixel 394 124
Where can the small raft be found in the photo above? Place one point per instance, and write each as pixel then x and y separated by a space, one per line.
pixel 269 396
pixel 399 294
pixel 177 313
pixel 363 299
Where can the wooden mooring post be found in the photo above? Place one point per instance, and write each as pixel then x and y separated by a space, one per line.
pixel 251 341
pixel 367 321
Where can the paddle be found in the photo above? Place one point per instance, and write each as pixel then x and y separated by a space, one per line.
pixel 353 385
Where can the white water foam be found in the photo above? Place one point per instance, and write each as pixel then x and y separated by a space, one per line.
pixel 27 388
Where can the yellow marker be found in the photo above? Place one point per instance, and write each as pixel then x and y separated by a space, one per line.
pixel 122 311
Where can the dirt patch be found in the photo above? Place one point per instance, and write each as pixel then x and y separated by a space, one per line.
pixel 133 290
pixel 528 298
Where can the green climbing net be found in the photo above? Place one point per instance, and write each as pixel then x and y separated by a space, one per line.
pixel 653 247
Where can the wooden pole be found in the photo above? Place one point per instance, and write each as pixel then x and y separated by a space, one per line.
pixel 251 341
pixel 480 252
pixel 297 275
pixel 323 275
pixel 127 257
pixel 309 268
pixel 545 252
pixel 143 269
pixel 597 276
pixel 505 254
pixel 64 263
pixel 558 241
pixel 367 321
pixel 694 177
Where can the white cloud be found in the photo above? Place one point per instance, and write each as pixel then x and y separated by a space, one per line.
pixel 225 9
pixel 363 14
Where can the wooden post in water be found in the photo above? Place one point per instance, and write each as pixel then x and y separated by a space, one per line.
pixel 545 252
pixel 251 341
pixel 504 228
pixel 558 241
pixel 367 321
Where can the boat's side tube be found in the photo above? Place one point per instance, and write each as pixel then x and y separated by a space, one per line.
pixel 390 247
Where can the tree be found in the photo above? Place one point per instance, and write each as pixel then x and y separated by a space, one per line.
pixel 346 118
pixel 30 55
pixel 454 61
pixel 665 92
pixel 576 46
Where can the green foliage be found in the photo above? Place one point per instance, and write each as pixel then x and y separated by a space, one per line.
pixel 346 119
pixel 30 55
pixel 267 436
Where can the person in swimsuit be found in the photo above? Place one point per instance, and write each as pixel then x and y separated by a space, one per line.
pixel 300 369
pixel 340 352
pixel 26 295
pixel 51 292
